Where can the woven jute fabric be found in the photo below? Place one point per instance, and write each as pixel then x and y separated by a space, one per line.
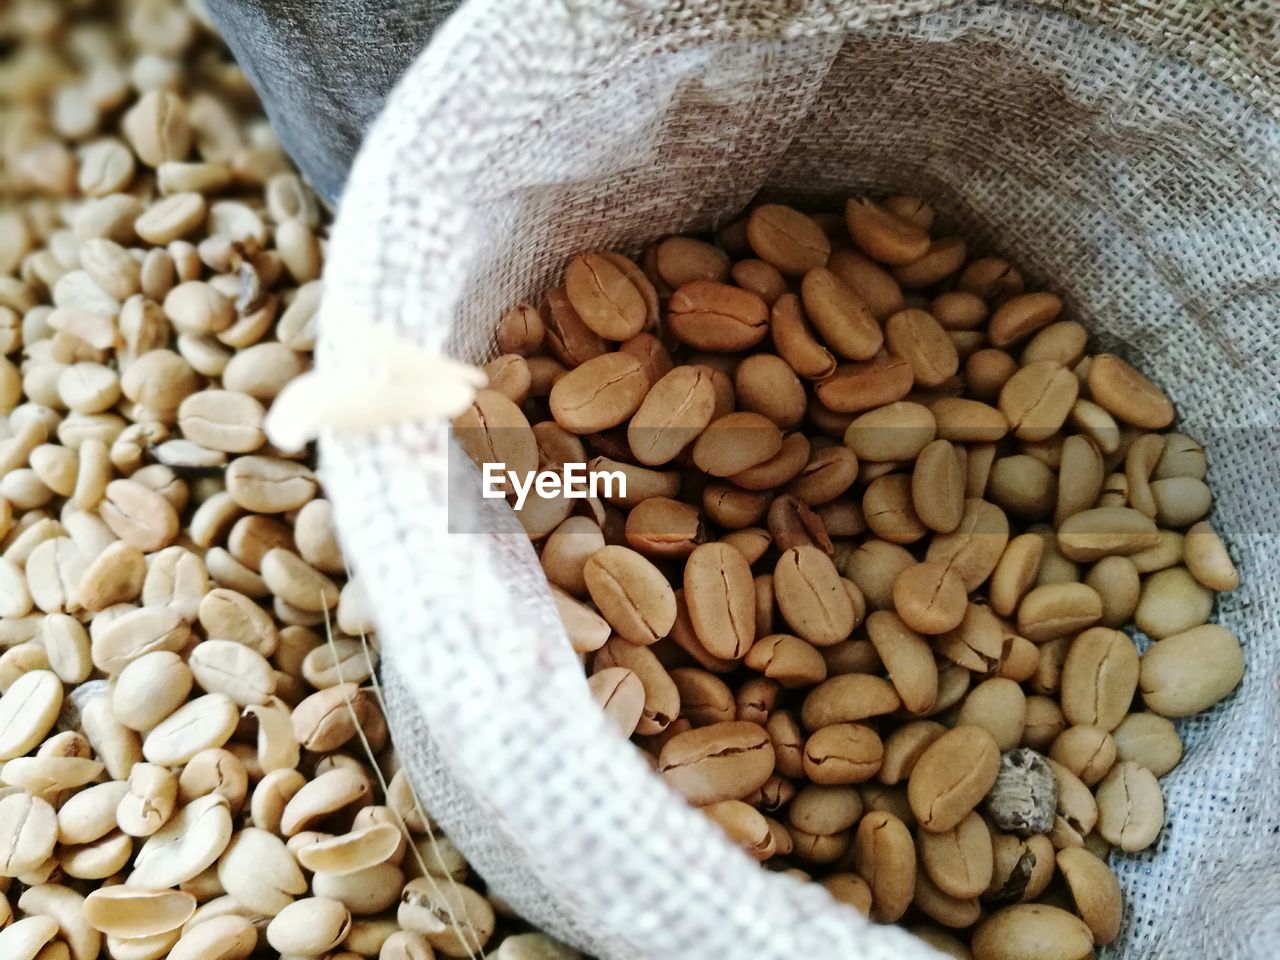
pixel 1124 155
pixel 323 68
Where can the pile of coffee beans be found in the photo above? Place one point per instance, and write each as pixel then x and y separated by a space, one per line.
pixel 863 600
pixel 194 761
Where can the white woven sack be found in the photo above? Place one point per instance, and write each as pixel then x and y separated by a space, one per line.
pixel 1130 162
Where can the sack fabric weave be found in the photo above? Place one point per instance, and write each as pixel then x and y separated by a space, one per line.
pixel 1126 155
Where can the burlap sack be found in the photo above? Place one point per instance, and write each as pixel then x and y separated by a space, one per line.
pixel 323 68
pixel 1127 155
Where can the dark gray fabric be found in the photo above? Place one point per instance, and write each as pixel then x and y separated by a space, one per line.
pixel 324 67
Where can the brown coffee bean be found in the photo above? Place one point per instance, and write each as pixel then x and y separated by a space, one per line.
pixel 873 566
pixel 766 385
pixel 1088 752
pixel 736 442
pixel 1150 740
pixel 520 331
pixel 885 858
pixel 138 515
pixel 271 485
pixel 745 826
pixel 787 239
pixel 1127 395
pixel 682 635
pixel 795 342
pixel 1037 399
pixel 1166 552
pixel 842 753
pixel 1057 610
pixel 1023 486
pixel 1172 601
pixel 943 258
pixel 908 659
pixel 649 350
pixel 631 593
pixel 903 747
pixel 158 128
pixel 1015 573
pixel 818 849
pixel 751 543
pixel 569 339
pixel 704 698
pixel 223 420
pixel 641 483
pixel 890 512
pixel 1095 891
pixel 198 308
pixel 1116 581
pixel 657 527
pixel 680 260
pixel 1105 531
pixel 1130 807
pixel 825 810
pixel 1048 676
pixel 1064 342
pixel 793 523
pixel 1044 721
pixel 957 310
pixel 826 475
pixel 841 317
pixel 724 761
pixel 601 393
pixel 543 374
pixel 787 659
pixel 585 629
pixel 987 371
pixel 870 281
pixel 1019 317
pixel 930 598
pixel 918 338
pixel 715 316
pixel 855 387
pixel 1099 678
pixel 961 420
pixel 1190 672
pixel 937 487
pixel 778 470
pixel 732 508
pixel 662 700
pixel 849 698
pixel 605 297
pixel 763 279
pixel 896 431
pixel 1080 477
pixel 959 861
pixel 952 776
pixel 974 548
pixel 999 706
pixel 721 599
pixel 977 643
pixel 674 411
pixel 1032 931
pixel 812 597
pixel 882 235
pixel 620 695
pixel 1180 501
pixel 509 375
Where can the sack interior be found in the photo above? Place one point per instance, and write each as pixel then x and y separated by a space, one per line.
pixel 1132 185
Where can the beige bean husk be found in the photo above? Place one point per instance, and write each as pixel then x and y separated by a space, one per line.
pixel 1123 152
